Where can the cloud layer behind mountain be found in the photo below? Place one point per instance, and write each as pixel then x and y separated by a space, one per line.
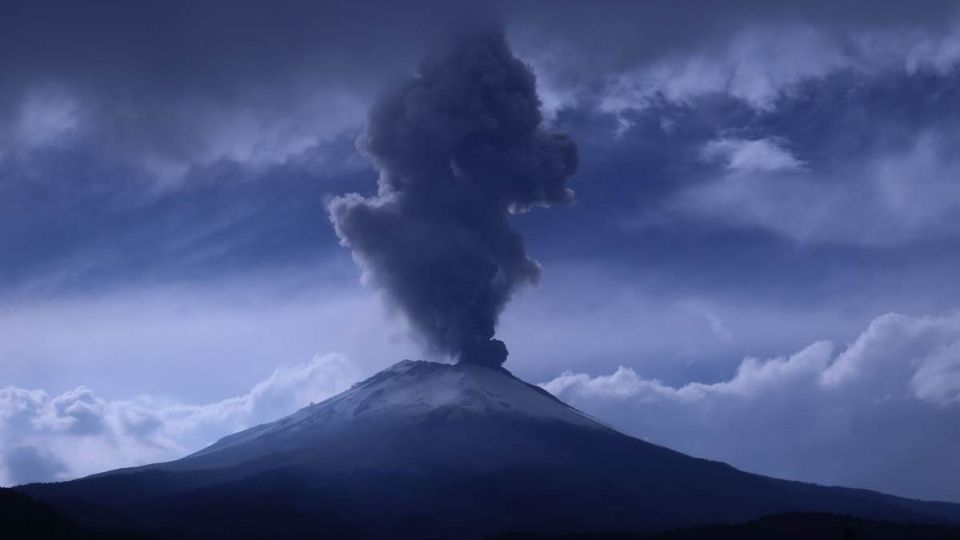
pixel 78 433
pixel 881 413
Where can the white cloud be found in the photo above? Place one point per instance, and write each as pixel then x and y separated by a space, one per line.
pixel 756 62
pixel 755 65
pixel 46 116
pixel 937 380
pixel 251 134
pixel 886 198
pixel 934 52
pixel 884 413
pixel 77 433
pixel 756 59
pixel 758 155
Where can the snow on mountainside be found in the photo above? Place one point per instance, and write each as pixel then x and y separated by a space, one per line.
pixel 416 387
pixel 410 391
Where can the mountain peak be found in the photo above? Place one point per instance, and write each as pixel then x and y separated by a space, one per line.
pixel 413 387
pixel 407 395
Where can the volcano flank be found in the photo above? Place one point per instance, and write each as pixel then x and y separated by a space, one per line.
pixel 425 449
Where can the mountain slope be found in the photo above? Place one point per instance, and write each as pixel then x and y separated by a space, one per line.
pixel 425 449
pixel 355 429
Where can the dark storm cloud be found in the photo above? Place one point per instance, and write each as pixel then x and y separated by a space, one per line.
pixel 459 148
pixel 166 86
pixel 171 139
pixel 236 107
pixel 169 85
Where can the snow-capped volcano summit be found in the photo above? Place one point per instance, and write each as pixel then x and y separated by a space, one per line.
pixel 447 451
pixel 409 396
pixel 412 389
pixel 418 387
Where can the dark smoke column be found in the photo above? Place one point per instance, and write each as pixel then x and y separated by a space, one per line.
pixel 459 148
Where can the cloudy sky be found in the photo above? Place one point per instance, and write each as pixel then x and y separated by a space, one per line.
pixel 760 265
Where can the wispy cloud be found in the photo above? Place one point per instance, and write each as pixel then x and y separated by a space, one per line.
pixel 886 198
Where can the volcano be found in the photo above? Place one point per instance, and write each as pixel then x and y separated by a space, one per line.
pixel 424 449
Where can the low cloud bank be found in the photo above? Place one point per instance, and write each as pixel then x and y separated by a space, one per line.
pixel 882 413
pixel 44 437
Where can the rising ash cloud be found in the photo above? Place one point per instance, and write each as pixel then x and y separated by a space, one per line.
pixel 460 147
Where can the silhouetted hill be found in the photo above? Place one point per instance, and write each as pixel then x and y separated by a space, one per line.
pixel 783 527
pixel 24 518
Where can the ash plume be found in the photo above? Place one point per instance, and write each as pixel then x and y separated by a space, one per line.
pixel 459 147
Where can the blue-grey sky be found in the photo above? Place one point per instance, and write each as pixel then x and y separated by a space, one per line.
pixel 760 265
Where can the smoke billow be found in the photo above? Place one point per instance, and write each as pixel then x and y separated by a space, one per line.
pixel 459 147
